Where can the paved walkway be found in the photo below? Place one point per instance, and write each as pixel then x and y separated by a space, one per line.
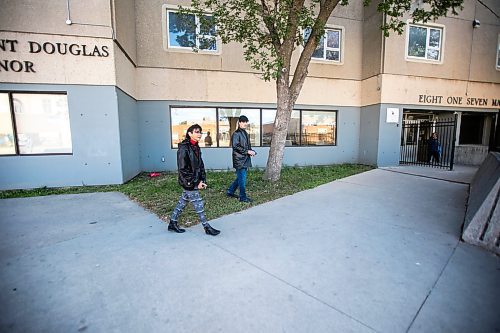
pixel 375 252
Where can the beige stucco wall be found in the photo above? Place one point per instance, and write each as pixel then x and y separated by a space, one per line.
pixel 372 46
pixel 484 57
pixel 186 76
pixel 217 86
pixel 125 73
pixel 468 53
pixel 89 17
pixel 152 52
pixel 371 90
pixel 350 67
pixel 124 23
pixel 402 89
pixel 94 68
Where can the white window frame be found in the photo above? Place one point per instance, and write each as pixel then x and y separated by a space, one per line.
pixel 341 30
pixel 427 47
pixel 166 37
pixel 497 66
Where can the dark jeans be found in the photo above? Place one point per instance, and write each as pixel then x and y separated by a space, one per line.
pixel 240 181
pixel 434 154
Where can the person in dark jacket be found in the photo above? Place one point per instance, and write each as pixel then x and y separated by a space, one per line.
pixel 192 178
pixel 433 148
pixel 242 153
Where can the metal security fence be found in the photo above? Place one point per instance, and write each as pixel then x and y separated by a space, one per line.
pixel 417 147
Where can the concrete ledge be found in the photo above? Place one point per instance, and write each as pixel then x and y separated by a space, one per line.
pixel 482 220
pixel 470 154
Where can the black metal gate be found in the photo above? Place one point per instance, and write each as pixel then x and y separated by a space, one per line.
pixel 417 148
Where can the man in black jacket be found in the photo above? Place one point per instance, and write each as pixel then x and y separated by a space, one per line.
pixel 192 178
pixel 242 151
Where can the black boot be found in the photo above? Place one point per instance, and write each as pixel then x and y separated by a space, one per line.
pixel 172 226
pixel 211 231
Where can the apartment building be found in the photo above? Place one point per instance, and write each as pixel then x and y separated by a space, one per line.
pixel 95 92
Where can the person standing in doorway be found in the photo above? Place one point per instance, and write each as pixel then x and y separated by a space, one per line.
pixel 192 178
pixel 433 149
pixel 242 153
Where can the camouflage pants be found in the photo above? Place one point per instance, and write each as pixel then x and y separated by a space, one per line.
pixel 193 197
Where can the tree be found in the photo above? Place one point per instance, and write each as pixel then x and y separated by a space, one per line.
pixel 271 30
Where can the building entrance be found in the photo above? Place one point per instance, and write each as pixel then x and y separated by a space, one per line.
pixel 428 139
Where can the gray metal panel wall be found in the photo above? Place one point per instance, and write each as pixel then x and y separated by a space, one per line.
pixel 129 135
pixel 155 140
pixel 93 113
pixel 369 134
pixel 389 137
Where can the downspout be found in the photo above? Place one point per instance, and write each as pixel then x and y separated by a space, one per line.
pixel 68 20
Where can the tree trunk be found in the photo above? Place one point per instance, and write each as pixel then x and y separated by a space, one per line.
pixel 287 93
pixel 283 115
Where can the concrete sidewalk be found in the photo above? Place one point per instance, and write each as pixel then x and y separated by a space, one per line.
pixel 375 252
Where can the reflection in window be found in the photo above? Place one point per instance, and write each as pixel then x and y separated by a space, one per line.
pixel 329 46
pixel 305 127
pixel 293 134
pixel 189 31
pixel 498 53
pixel 424 42
pixel 42 123
pixel 7 146
pixel 318 128
pixel 228 123
pixel 182 118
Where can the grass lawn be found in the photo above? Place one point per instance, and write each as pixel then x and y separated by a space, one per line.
pixel 160 194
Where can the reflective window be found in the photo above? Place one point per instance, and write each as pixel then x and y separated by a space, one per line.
pixel 7 146
pixel 42 123
pixel 305 127
pixel 228 123
pixel 182 118
pixel 424 42
pixel 268 117
pixel 329 45
pixel 293 133
pixel 498 53
pixel 319 128
pixel 190 31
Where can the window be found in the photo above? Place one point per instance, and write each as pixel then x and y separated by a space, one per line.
pixel 306 128
pixel 319 128
pixel 498 53
pixel 7 146
pixel 41 123
pixel 228 122
pixel 182 118
pixel 424 42
pixel 293 134
pixel 188 31
pixel 329 47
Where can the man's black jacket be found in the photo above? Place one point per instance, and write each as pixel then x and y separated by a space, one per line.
pixel 241 145
pixel 190 165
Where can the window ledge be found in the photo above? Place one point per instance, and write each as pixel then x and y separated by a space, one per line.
pixel 326 62
pixel 425 61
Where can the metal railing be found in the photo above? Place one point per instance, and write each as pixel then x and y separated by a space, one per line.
pixel 417 148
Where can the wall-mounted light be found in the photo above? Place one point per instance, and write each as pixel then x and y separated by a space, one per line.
pixel 476 23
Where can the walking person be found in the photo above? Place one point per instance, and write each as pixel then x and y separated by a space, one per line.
pixel 433 149
pixel 242 153
pixel 192 178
